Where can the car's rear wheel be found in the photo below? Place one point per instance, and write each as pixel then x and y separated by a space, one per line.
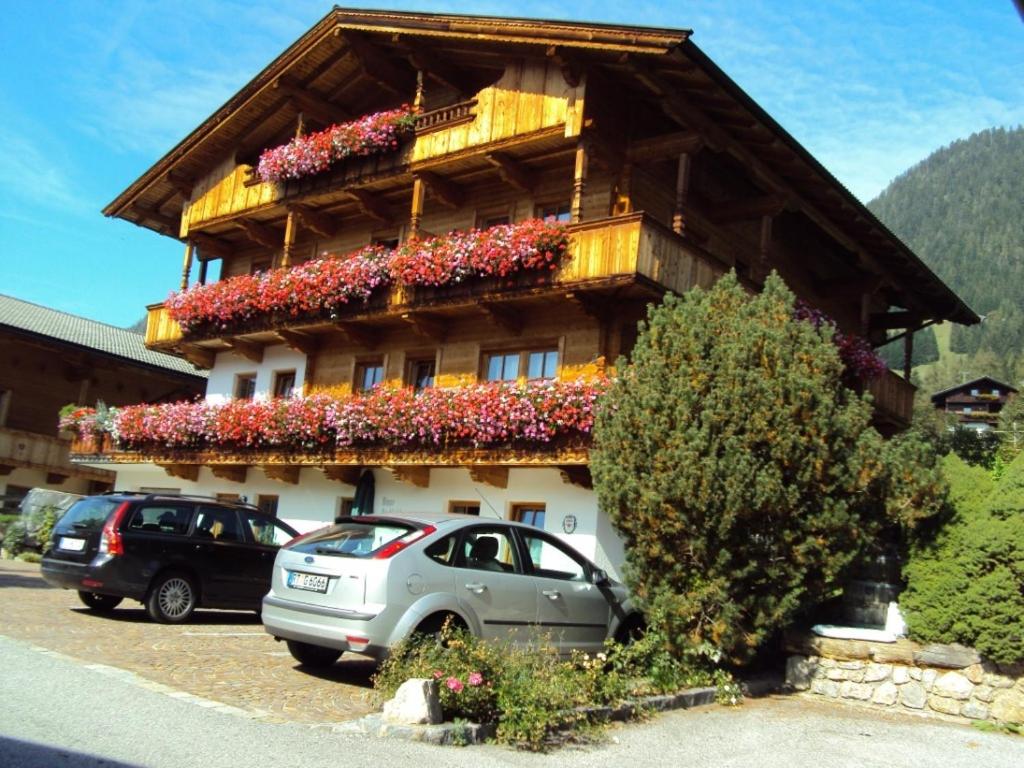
pixel 433 627
pixel 314 656
pixel 171 599
pixel 99 603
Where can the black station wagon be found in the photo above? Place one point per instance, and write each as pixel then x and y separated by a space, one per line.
pixel 172 553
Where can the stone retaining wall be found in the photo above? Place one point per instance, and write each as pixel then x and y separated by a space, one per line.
pixel 947 680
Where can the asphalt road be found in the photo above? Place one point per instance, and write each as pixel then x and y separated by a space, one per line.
pixel 57 711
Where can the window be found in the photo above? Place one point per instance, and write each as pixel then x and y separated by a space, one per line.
pixel 553 560
pixel 488 549
pixel 493 219
pixel 542 364
pixel 420 373
pixel 284 383
pixel 464 508
pixel 267 504
pixel 975 392
pixel 162 518
pixel 245 386
pixel 509 366
pixel 503 366
pixel 443 551
pixel 967 409
pixel 530 514
pixel 369 374
pixel 266 531
pixel 344 508
pixel 218 524
pixel 561 211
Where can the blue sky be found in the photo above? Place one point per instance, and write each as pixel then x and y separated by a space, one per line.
pixel 93 93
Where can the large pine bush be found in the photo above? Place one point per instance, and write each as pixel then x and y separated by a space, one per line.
pixel 742 475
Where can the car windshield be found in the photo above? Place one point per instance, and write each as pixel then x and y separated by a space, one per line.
pixel 354 539
pixel 89 514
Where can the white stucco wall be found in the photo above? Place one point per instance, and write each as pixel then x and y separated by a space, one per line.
pixel 220 386
pixel 315 499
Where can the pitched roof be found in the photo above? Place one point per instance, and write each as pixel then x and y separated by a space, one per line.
pixel 966 386
pixel 90 334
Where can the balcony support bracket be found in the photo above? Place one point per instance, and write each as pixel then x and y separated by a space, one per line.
pixel 427 327
pixel 318 222
pixel 236 473
pixel 418 476
pixel 577 475
pixel 246 349
pixel 493 476
pixel 446 192
pixel 300 342
pixel 182 471
pixel 357 335
pixel 200 357
pixel 343 473
pixel 284 473
pixel 513 172
pixel 504 319
pixel 372 205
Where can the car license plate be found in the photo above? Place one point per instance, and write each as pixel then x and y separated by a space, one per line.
pixel 71 544
pixel 307 581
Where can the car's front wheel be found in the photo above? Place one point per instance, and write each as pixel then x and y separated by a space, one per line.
pixel 315 656
pixel 99 603
pixel 172 598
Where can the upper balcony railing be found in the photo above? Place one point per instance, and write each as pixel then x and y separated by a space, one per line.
pixel 529 102
pixel 602 252
pixel 30 450
pixel 894 398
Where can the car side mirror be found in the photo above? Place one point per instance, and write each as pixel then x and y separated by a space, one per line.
pixel 599 577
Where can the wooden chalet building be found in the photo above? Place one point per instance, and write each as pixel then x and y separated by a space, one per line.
pixel 49 359
pixel 975 404
pixel 664 172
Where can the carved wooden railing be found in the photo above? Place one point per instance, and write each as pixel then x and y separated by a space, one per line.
pixel 445 117
pixel 894 397
pixel 603 249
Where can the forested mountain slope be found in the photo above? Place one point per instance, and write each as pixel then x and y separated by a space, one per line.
pixel 962 211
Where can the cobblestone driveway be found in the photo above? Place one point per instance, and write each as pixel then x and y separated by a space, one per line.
pixel 220 655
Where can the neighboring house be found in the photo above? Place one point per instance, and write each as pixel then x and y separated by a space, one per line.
pixel 665 173
pixel 976 404
pixel 49 359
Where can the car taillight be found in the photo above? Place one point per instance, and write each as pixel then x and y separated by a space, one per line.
pixel 110 538
pixel 399 544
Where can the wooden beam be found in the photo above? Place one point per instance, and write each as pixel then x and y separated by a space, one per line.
pixel 374 206
pixel 211 247
pixel 441 71
pixel 182 471
pixel 379 68
pixel 201 357
pixel 579 181
pixel 427 327
pixel 665 147
pixel 418 476
pixel 236 473
pixel 300 342
pixel 746 209
pixel 186 266
pixel 311 103
pixel 683 169
pixel 845 287
pixel 247 349
pixel 283 473
pixel 494 476
pixel 357 335
pixel 447 192
pixel 513 172
pixel 419 192
pixel 577 475
pixel 56 478
pixel 571 68
pixel 181 183
pixel 887 320
pixel 260 233
pixel 341 473
pixel 159 218
pixel 505 319
pixel 290 227
pixel 592 306
pixel 322 224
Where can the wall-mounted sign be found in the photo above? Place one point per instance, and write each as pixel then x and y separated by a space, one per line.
pixel 569 523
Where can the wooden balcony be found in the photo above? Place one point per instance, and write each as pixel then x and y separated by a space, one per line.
pixel 29 450
pixel 633 252
pixel 894 400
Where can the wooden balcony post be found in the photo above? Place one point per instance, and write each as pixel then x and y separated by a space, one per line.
pixel 908 352
pixel 579 180
pixel 416 216
pixel 202 271
pixel 289 240
pixel 417 102
pixel 186 268
pixel 682 192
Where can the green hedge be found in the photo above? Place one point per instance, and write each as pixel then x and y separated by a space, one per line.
pixel 965 581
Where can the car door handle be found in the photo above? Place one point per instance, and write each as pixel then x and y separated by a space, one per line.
pixel 476 587
pixel 551 594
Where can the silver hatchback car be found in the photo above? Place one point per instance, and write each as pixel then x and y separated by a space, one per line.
pixel 368 582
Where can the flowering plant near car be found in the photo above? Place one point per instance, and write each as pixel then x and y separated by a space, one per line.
pixel 477 415
pixel 324 287
pixel 316 152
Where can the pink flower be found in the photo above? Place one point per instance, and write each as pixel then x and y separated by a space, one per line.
pixel 454 684
pixel 475 678
pixel 438 674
